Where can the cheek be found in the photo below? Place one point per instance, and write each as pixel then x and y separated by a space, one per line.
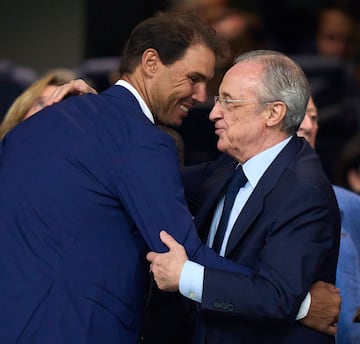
pixel 233 137
pixel 246 131
pixel 236 126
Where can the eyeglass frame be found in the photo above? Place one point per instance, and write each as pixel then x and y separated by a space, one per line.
pixel 224 101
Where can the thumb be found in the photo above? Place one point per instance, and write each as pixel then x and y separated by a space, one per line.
pixel 168 240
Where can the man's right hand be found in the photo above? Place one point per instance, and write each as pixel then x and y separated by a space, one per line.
pixel 166 267
pixel 73 87
pixel 324 309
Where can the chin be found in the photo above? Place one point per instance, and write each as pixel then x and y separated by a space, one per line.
pixel 220 146
pixel 176 122
pixel 170 123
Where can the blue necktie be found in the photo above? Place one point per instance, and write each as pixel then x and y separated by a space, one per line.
pixel 237 181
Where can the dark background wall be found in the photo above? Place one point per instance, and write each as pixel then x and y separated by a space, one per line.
pixel 45 34
pixel 109 23
pixel 42 34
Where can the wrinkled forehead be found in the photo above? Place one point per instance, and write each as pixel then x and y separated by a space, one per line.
pixel 244 76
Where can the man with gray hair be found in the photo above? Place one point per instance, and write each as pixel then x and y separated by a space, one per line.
pixel 283 223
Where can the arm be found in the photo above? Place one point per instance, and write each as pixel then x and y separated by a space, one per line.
pixel 290 245
pixel 152 191
pixel 325 298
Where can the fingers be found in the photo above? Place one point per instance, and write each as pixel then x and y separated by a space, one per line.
pixel 331 287
pixel 332 329
pixel 73 87
pixel 168 240
pixel 81 87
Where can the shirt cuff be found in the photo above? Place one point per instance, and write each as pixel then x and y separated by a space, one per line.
pixel 191 286
pixel 304 307
pixel 191 281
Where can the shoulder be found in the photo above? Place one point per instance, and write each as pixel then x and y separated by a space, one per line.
pixel 349 204
pixel 345 196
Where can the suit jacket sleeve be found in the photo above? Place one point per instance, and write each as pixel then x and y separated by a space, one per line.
pixel 152 191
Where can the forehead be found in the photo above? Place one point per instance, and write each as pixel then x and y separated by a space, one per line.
pixel 242 77
pixel 311 107
pixel 199 59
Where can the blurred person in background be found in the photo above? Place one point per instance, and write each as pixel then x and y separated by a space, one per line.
pixel 348 267
pixel 348 165
pixel 330 61
pixel 43 92
pixel 336 33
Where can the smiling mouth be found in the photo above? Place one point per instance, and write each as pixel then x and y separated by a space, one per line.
pixel 184 108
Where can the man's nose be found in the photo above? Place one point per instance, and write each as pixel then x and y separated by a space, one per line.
pixel 306 124
pixel 200 94
pixel 216 112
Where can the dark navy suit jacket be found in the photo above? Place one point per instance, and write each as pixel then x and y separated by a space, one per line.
pixel 85 188
pixel 288 233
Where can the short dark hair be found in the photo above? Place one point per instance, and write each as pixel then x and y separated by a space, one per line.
pixel 170 34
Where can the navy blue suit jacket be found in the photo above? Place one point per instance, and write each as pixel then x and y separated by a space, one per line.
pixel 85 188
pixel 288 233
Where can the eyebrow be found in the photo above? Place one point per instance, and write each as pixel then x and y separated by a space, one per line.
pixel 199 76
pixel 226 94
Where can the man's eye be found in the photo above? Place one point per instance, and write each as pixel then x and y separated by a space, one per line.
pixel 228 102
pixel 193 79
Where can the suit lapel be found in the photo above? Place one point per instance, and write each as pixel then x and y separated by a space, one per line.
pixel 266 184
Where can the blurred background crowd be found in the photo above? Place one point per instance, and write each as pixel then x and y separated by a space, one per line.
pixel 84 38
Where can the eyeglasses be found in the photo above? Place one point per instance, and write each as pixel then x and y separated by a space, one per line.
pixel 227 104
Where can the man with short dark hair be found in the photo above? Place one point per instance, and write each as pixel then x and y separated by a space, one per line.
pixel 86 186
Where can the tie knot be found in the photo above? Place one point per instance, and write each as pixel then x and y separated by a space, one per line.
pixel 238 180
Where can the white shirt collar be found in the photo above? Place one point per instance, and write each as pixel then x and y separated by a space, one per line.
pixel 145 109
pixel 255 167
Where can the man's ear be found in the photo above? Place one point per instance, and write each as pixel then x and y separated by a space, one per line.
pixel 150 61
pixel 275 114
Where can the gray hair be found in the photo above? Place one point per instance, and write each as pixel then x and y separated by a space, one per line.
pixel 284 81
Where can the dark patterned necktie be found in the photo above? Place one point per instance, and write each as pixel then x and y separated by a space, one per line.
pixel 237 181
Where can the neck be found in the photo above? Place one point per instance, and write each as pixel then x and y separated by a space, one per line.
pixel 138 82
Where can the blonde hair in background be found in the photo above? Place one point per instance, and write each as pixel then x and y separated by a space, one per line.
pixel 25 100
